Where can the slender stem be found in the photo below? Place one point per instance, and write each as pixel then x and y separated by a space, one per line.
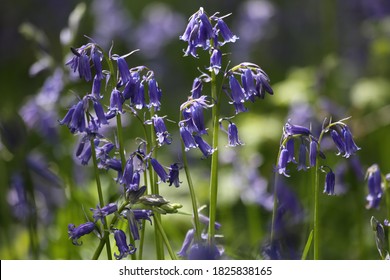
pixel 274 208
pixel 387 193
pixel 316 212
pixel 192 192
pixel 100 195
pixel 105 237
pixel 120 140
pixel 157 221
pixel 214 161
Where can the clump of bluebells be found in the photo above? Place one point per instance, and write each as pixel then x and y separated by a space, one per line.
pixel 134 92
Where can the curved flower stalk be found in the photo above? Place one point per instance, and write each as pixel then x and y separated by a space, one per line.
pixel 311 144
pixel 211 33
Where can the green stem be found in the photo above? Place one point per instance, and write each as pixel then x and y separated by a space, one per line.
pixel 387 193
pixel 316 212
pixel 214 161
pixel 157 221
pixel 101 200
pixel 192 192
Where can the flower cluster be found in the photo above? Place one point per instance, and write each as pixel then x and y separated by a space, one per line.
pixel 132 90
pixel 310 148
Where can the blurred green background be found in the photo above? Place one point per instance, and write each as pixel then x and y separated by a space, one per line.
pixel 325 58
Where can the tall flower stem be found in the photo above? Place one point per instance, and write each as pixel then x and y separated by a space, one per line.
pixel 214 160
pixel 316 212
pixel 192 194
pixel 387 194
pixel 154 190
pixel 100 195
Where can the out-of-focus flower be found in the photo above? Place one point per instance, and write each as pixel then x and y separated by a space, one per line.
pixel 375 192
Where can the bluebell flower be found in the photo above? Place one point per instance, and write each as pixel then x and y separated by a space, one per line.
pixel 233 139
pixel 313 153
pixel 135 182
pixel 350 146
pixel 116 101
pixel 97 56
pixel 100 213
pixel 186 243
pixel 123 248
pixel 197 118
pixel 198 33
pixel 128 172
pixel 215 61
pixel 154 94
pixel 262 84
pixel 290 146
pixel 302 157
pixel 84 68
pixel 375 192
pixel 75 118
pixel 131 88
pixel 330 181
pixel 139 98
pixel 143 214
pixel 123 70
pixel 338 140
pixel 197 86
pixel 84 153
pixel 291 130
pixel 174 175
pixel 204 147
pixel 282 161
pixel 225 32
pixel 76 232
pixel 188 139
pixel 237 93
pixel 101 117
pixel 248 84
pixel 96 88
pixel 163 136
pixel 159 169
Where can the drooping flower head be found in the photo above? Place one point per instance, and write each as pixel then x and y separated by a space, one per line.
pixel 123 248
pixel 76 232
pixel 375 192
pixel 100 213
